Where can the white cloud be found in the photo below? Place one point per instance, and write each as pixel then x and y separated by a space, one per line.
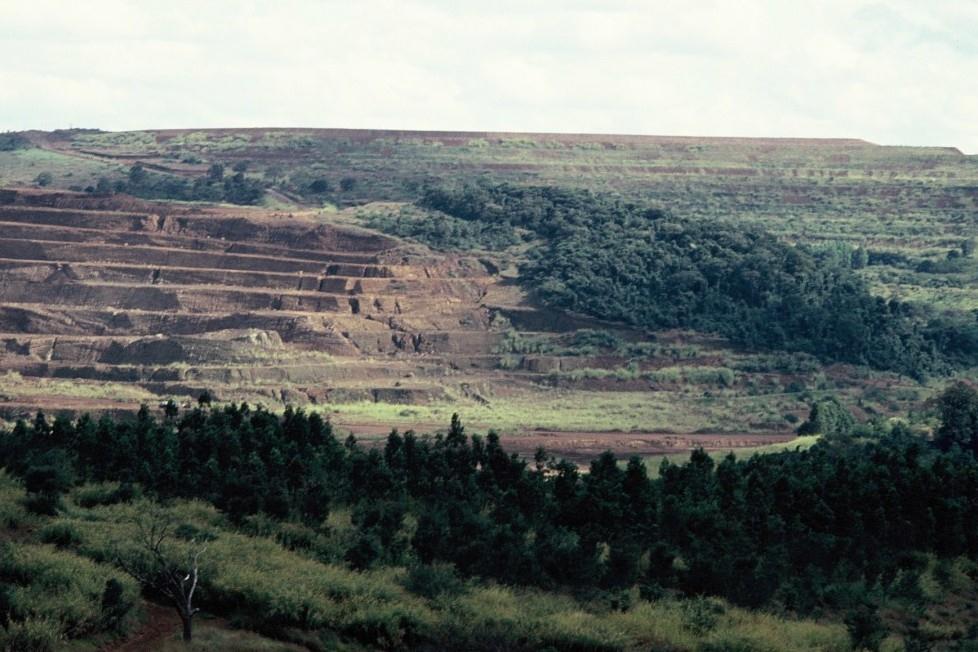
pixel 895 72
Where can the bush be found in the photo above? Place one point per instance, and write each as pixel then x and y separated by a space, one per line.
pixel 237 189
pixel 31 635
pixel 296 536
pixel 829 419
pixel 730 645
pixel 366 551
pixel 701 615
pixel 12 510
pixel 190 532
pixel 433 580
pixel 62 534
pixel 115 605
pixel 865 628
pixel 42 504
pixel 10 141
pixel 55 476
pixel 50 587
pixel 107 493
pixel 596 338
pixel 320 186
pixel 444 232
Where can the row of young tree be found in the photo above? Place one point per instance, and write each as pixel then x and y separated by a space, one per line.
pixel 803 530
pixel 602 256
pixel 216 186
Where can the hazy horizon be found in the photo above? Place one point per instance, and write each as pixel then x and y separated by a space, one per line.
pixel 892 73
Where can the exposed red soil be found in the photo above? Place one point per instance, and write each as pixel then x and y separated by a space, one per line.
pixel 583 446
pixel 161 623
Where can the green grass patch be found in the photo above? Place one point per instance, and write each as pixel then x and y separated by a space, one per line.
pixel 653 463
pixel 22 167
pixel 14 385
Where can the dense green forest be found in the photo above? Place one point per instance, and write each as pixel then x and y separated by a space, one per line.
pixel 602 256
pixel 836 529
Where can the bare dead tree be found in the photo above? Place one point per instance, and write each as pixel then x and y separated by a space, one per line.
pixel 157 571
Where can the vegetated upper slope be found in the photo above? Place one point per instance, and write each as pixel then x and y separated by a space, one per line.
pixel 907 206
pixel 632 263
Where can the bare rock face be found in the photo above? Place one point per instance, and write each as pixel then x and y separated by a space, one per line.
pixel 176 299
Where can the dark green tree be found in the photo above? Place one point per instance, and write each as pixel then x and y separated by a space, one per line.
pixel 958 406
pixel 828 418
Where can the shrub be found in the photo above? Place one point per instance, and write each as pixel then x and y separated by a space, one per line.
pixel 366 551
pixel 320 186
pixel 259 525
pixel 730 645
pixel 115 604
pixel 106 493
pixel 10 141
pixel 31 635
pixel 190 532
pixel 865 628
pixel 701 615
pixel 433 580
pixel 596 338
pixel 42 504
pixel 296 536
pixel 12 512
pixel 53 587
pixel 829 419
pixel 61 533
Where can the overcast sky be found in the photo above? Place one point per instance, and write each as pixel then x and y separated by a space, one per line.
pixel 891 72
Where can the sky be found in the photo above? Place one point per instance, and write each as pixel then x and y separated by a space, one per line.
pixel 894 72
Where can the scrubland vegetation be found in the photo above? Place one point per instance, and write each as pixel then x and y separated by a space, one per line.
pixel 450 542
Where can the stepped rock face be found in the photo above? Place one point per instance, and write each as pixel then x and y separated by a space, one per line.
pixel 245 302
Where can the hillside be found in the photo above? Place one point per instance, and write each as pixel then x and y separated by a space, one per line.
pixel 109 300
pixel 810 300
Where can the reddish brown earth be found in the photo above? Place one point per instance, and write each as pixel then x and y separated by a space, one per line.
pixel 123 290
pixel 585 446
pixel 582 447
pixel 162 630
pixel 161 622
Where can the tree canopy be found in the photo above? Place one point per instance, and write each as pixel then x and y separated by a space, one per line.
pixel 602 256
pixel 802 529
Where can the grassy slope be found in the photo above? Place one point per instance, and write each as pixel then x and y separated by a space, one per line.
pixel 314 599
pixel 322 600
